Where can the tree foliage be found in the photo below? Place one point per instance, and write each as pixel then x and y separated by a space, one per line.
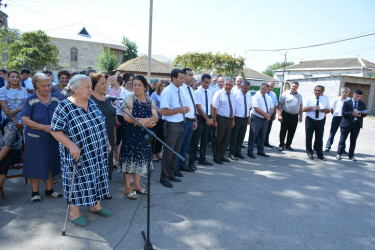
pixel 278 65
pixel 218 63
pixel 29 49
pixel 131 52
pixel 107 61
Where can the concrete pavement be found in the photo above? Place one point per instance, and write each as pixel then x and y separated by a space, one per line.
pixel 285 201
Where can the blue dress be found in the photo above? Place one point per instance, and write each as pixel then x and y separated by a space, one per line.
pixel 87 130
pixel 134 153
pixel 41 152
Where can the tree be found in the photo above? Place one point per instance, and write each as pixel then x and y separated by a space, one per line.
pixel 372 74
pixel 218 63
pixel 30 49
pixel 275 66
pixel 107 61
pixel 131 52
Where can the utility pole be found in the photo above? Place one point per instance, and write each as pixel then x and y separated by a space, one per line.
pixel 282 83
pixel 149 44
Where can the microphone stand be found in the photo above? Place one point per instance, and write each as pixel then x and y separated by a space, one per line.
pixel 148 139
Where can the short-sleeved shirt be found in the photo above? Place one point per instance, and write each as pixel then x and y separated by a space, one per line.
pixel 156 99
pixel 240 103
pixel 200 96
pixel 291 102
pixel 259 101
pixel 2 82
pixel 312 101
pixel 187 101
pixel 14 98
pixel 273 97
pixel 337 105
pixel 170 100
pixel 221 103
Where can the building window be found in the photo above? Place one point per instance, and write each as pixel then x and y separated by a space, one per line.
pixel 74 57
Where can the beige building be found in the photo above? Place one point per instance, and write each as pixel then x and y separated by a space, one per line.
pixel 79 46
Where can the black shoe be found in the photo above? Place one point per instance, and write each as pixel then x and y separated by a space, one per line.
pixel 352 158
pixel 232 157
pixel 192 166
pixel 289 148
pixel 205 162
pixel 175 179
pixel 240 156
pixel 268 145
pixel 218 161
pixel 322 158
pixel 263 154
pixel 166 183
pixel 338 157
pixel 242 146
pixel 327 150
pixel 281 148
pixel 345 152
pixel 224 159
pixel 178 173
pixel 188 169
pixel 251 155
pixel 310 155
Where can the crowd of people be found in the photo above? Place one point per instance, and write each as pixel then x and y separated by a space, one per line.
pixel 74 123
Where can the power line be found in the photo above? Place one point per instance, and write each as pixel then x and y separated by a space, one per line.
pixel 315 45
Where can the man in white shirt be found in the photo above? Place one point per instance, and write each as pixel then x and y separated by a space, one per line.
pixel 224 103
pixel 273 96
pixel 336 111
pixel 239 80
pixel 27 81
pixel 219 85
pixel 316 108
pixel 204 100
pixel 260 116
pixel 242 119
pixel 188 100
pixel 173 113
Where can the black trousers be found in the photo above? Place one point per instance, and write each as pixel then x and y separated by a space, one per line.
pixel 314 127
pixel 269 127
pixel 237 135
pixel 288 125
pixel 158 129
pixel 172 137
pixel 334 127
pixel 200 134
pixel 222 136
pixel 353 129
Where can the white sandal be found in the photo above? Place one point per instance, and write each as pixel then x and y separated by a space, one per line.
pixel 132 196
pixel 55 195
pixel 36 198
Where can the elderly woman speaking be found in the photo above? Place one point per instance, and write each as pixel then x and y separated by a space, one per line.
pixel 41 154
pixel 79 126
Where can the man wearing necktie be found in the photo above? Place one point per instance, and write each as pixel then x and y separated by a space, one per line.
pixel 223 115
pixel 203 98
pixel 190 124
pixel 260 116
pixel 173 113
pixel 242 119
pixel 351 122
pixel 316 109
pixel 273 96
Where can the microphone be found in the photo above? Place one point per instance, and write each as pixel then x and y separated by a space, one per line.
pixel 112 98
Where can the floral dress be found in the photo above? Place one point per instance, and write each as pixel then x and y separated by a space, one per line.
pixel 134 152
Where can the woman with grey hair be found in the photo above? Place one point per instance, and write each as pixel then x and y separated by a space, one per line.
pixel 41 152
pixel 79 126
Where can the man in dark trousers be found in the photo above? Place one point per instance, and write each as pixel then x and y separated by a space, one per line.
pixel 352 122
pixel 173 112
pixel 316 108
pixel 203 97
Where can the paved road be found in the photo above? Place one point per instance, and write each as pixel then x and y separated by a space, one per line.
pixel 283 202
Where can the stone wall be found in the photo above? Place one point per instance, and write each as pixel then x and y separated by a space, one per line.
pixel 87 53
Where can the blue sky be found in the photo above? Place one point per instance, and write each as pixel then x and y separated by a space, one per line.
pixel 218 26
